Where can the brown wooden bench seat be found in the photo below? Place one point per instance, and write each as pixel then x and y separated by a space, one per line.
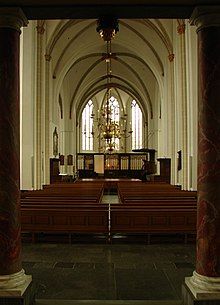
pixel 156 192
pixel 126 196
pixel 94 195
pixel 160 204
pixel 141 185
pixel 142 220
pixel 152 187
pixel 158 199
pixel 78 184
pixel 64 193
pixel 74 219
pixel 60 204
pixel 66 199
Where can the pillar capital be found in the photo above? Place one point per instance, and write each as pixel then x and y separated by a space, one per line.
pixel 12 17
pixel 206 16
pixel 47 57
pixel 171 57
pixel 181 29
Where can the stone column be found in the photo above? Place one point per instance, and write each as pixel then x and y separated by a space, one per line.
pixel 13 281
pixel 184 125
pixel 47 122
pixel 204 285
pixel 39 108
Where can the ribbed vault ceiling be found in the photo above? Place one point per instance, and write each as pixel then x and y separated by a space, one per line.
pixel 139 62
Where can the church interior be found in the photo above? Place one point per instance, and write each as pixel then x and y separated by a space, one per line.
pixel 109 190
pixel 151 84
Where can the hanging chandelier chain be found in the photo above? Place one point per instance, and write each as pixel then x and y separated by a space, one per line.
pixel 108 71
pixel 109 127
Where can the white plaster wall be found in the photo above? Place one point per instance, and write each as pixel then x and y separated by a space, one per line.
pixel 27 98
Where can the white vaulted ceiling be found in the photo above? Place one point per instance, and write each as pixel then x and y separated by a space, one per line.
pixel 141 49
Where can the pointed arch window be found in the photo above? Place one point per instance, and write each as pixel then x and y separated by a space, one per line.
pixel 137 125
pixel 87 127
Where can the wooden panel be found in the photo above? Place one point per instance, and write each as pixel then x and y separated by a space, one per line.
pixel 122 220
pixel 96 220
pixel 177 220
pixel 141 220
pixel 26 219
pixel 159 220
pixel 126 165
pixel 41 220
pixel 78 220
pixel 191 220
pixel 54 170
pixel 60 220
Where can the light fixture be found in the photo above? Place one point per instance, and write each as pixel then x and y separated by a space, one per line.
pixel 109 129
pixel 107 27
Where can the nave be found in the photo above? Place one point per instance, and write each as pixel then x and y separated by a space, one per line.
pixel 155 64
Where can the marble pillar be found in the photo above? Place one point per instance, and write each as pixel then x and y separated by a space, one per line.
pixel 9 153
pixel 13 281
pixel 205 282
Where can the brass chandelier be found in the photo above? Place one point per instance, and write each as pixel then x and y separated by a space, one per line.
pixel 109 129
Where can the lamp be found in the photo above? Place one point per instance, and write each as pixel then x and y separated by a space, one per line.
pixel 108 128
pixel 107 27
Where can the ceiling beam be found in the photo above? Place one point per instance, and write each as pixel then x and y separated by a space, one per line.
pixel 84 9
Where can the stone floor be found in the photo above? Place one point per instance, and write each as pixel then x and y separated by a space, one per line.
pixel 120 271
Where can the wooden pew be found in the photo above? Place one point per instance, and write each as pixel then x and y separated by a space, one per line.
pixel 144 209
pixel 64 219
pixel 153 220
pixel 75 193
pixel 138 193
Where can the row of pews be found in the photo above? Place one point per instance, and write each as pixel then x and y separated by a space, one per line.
pixel 64 208
pixel 146 208
pixel 154 208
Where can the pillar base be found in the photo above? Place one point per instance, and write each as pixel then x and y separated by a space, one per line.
pixel 201 290
pixel 21 295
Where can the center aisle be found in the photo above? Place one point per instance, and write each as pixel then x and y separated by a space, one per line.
pixel 110 199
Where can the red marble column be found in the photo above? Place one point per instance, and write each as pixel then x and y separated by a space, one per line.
pixel 10 245
pixel 208 222
pixel 10 228
pixel 208 218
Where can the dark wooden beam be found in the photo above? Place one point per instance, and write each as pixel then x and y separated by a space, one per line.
pixel 84 9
